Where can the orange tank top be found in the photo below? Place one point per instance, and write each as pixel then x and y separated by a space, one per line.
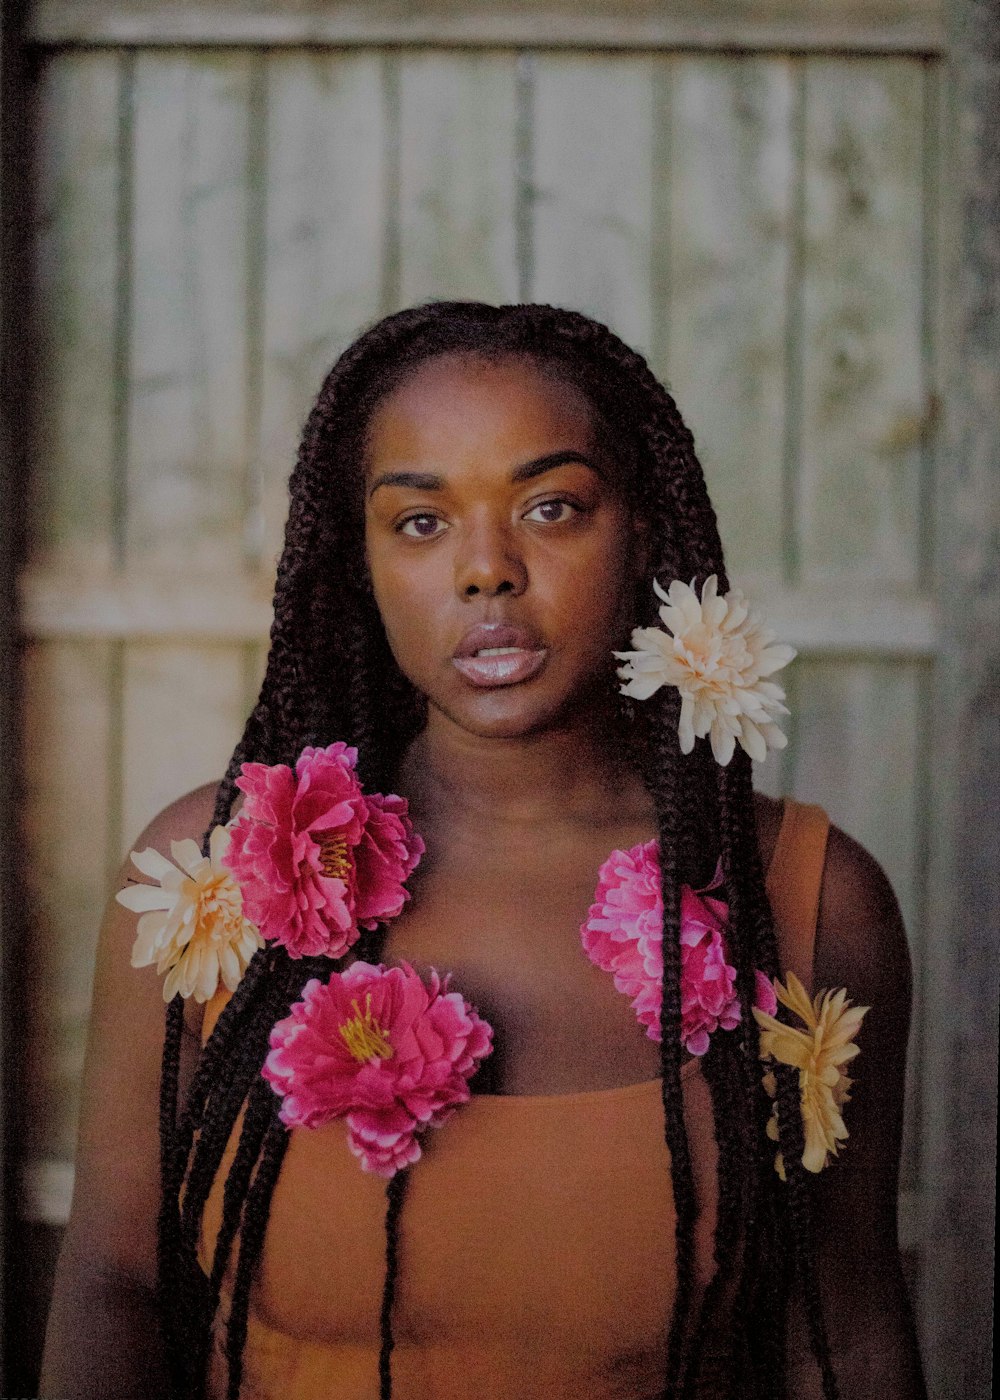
pixel 536 1240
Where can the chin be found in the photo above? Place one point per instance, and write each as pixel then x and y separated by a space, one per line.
pixel 511 712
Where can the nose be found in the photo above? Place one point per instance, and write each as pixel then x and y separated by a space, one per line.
pixel 489 563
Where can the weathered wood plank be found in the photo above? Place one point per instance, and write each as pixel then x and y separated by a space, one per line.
pixel 326 216
pixel 860 734
pixel 876 25
pixel 75 448
pixel 182 714
pixel 957 1305
pixel 187 438
pixel 594 185
pixel 458 125
pixel 863 408
pixel 69 762
pixel 730 207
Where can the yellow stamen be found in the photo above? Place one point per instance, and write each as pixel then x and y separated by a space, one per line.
pixel 363 1036
pixel 334 860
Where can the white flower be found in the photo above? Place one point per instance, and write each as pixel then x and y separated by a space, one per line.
pixel 716 653
pixel 192 926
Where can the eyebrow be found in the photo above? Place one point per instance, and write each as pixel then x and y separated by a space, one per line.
pixel 428 481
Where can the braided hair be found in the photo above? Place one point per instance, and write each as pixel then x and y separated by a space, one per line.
pixel 330 675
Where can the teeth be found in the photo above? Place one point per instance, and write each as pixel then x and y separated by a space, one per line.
pixel 497 651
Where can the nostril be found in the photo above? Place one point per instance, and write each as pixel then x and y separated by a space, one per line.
pixel 505 587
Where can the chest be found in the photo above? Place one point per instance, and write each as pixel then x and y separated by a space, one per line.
pixel 503 916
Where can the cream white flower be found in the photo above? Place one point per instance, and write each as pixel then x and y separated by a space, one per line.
pixel 192 925
pixel 716 653
pixel 819 1053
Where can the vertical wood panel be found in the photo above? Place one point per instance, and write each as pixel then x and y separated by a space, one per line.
pixel 78 176
pixel 731 172
pixel 188 387
pixel 862 321
pixel 458 127
pixel 254 668
pixel 69 756
pixel 183 712
pixel 595 189
pixel 327 138
pixel 860 729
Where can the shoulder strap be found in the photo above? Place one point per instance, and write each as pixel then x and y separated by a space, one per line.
pixel 793 885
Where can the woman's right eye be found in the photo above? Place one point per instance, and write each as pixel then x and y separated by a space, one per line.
pixel 421 527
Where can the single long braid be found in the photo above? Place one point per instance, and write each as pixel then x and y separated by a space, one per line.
pixel 330 675
pixel 394 1193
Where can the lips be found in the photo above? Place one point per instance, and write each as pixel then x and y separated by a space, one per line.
pixel 497 653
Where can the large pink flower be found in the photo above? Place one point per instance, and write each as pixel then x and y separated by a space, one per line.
pixel 382 1050
pixel 317 859
pixel 623 935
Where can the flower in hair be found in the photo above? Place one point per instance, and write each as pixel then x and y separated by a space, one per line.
pixel 192 925
pixel 623 935
pixel 317 858
pixel 819 1052
pixel 716 653
pixel 378 1048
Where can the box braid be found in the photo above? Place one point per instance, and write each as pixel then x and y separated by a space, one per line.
pixel 330 675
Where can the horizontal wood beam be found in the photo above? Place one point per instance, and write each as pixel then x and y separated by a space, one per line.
pixel 863 26
pixel 817 621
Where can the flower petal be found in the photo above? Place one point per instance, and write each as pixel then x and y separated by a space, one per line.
pixel 151 863
pixel 140 897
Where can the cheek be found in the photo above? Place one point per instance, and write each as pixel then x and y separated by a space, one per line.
pixel 408 600
pixel 596 590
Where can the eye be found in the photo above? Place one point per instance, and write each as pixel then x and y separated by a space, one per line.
pixel 421 527
pixel 552 512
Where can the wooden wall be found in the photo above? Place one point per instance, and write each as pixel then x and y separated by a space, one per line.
pixel 215 221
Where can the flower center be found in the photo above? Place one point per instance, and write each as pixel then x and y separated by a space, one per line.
pixel 218 907
pixel 334 860
pixel 363 1036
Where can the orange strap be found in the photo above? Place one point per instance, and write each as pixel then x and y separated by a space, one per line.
pixel 794 878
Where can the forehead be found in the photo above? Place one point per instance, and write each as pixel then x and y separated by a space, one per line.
pixel 456 402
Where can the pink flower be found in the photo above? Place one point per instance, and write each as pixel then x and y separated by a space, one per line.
pixel 765 999
pixel 316 859
pixel 381 1050
pixel 623 935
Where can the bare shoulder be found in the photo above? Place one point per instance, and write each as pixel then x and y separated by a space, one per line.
pixel 860 938
pixel 861 946
pixel 190 815
pixel 117 1176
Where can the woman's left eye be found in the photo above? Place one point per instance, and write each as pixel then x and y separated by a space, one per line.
pixel 552 512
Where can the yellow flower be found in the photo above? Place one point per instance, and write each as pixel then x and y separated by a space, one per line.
pixel 192 926
pixel 716 653
pixel 818 1053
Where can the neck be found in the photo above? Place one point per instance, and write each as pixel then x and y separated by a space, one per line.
pixel 571 770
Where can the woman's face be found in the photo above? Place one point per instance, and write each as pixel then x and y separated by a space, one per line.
pixel 502 553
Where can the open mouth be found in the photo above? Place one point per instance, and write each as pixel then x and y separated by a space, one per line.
pixel 493 654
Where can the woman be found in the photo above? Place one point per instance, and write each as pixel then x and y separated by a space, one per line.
pixel 483 499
